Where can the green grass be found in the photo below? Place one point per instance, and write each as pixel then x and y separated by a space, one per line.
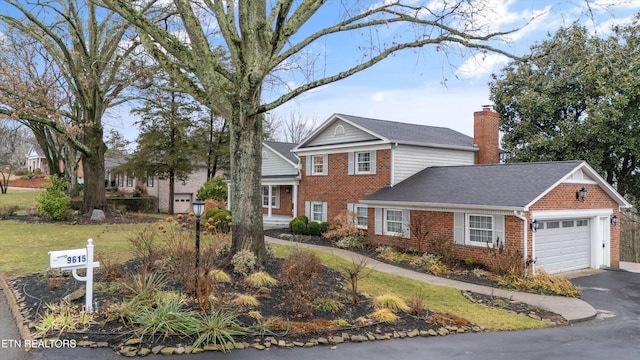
pixel 21 198
pixel 437 298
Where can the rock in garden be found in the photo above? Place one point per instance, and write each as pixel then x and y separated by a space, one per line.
pixel 98 215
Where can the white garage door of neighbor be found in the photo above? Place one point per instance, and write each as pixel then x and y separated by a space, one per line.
pixel 563 245
pixel 181 203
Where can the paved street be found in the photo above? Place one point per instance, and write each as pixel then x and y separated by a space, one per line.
pixel 614 334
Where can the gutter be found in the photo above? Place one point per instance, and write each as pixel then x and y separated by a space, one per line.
pixel 520 215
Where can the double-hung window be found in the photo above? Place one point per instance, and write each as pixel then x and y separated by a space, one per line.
pixel 317 165
pixel 481 229
pixel 316 212
pixel 150 181
pixel 275 196
pixel 393 221
pixel 363 162
pixel 129 180
pixel 362 216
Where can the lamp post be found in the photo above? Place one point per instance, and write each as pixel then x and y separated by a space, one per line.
pixel 198 208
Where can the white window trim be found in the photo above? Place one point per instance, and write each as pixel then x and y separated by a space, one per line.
pixel 150 181
pixel 312 213
pixel 467 229
pixel 313 165
pixel 355 209
pixel 385 220
pixel 356 163
pixel 275 194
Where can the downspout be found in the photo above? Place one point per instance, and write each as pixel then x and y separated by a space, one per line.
pixel 392 172
pixel 520 215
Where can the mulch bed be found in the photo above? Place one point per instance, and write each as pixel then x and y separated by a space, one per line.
pixel 33 294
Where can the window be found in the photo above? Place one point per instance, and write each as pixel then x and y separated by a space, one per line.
pixel 275 196
pixel 317 165
pixel 150 180
pixel 120 179
pixel 553 225
pixel 129 181
pixel 316 212
pixel 393 221
pixel 363 162
pixel 362 217
pixel 481 229
pixel 582 222
pixel 567 223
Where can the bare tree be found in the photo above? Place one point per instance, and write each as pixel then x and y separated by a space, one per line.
pixel 90 51
pixel 295 128
pixel 14 143
pixel 265 40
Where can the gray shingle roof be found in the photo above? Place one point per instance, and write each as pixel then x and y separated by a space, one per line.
pixel 284 149
pixel 411 133
pixel 501 185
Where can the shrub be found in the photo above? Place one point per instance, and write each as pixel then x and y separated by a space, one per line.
pixel 211 213
pixel 541 282
pixel 8 210
pixel 391 302
pixel 504 261
pixel 218 328
pixel 356 241
pixel 314 229
pixel 343 225
pixel 260 279
pixel 215 189
pixel 243 262
pixel 219 276
pixel 223 221
pixel 300 273
pixel 416 303
pixel 302 218
pixel 298 227
pixel 442 247
pixel 53 201
pixel 328 305
pixel 324 227
pixel 246 301
pixel 384 315
pixel 167 317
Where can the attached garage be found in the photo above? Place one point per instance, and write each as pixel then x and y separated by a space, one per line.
pixel 563 245
pixel 181 203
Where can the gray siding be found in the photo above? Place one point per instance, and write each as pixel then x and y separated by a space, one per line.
pixel 408 160
pixel 330 136
pixel 274 164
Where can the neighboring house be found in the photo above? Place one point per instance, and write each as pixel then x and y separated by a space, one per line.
pixel 404 180
pixel 37 161
pixel 184 191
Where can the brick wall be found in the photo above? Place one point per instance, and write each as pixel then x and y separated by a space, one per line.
pixel 338 188
pixel 564 197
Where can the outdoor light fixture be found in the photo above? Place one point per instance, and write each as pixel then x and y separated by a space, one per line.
pixel 535 225
pixel 287 190
pixel 581 194
pixel 198 209
pixel 614 220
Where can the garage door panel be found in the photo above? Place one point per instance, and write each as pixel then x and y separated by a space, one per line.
pixel 565 248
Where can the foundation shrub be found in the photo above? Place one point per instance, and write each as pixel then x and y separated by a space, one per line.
pixel 298 227
pixel 442 247
pixel 503 261
pixel 302 218
pixel 343 225
pixel 352 241
pixel 314 229
pixel 300 273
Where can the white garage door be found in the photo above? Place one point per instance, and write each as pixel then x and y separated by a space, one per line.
pixel 563 245
pixel 181 203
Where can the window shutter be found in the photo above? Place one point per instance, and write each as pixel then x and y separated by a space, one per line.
pixel 406 224
pixel 458 228
pixel 350 213
pixel 308 165
pixel 373 161
pixel 325 164
pixel 378 221
pixel 324 212
pixel 307 209
pixel 498 229
pixel 351 161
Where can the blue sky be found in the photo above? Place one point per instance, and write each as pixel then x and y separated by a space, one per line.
pixel 426 87
pixel 429 87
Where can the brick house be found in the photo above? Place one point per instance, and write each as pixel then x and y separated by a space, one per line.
pixel 403 180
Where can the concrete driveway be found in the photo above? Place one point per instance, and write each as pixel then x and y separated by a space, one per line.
pixel 613 334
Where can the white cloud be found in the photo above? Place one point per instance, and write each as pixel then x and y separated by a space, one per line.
pixel 481 65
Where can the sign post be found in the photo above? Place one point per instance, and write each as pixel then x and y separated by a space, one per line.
pixel 73 260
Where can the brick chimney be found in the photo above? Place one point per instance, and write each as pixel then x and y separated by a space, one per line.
pixel 485 135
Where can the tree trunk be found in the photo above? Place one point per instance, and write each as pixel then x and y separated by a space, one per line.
pixel 172 188
pixel 246 168
pixel 93 167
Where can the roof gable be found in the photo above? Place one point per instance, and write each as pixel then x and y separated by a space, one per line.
pixel 283 150
pixel 515 186
pixel 387 132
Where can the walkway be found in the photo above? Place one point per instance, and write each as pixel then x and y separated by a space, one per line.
pixel 572 309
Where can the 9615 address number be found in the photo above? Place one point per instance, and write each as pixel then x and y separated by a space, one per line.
pixel 78 259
